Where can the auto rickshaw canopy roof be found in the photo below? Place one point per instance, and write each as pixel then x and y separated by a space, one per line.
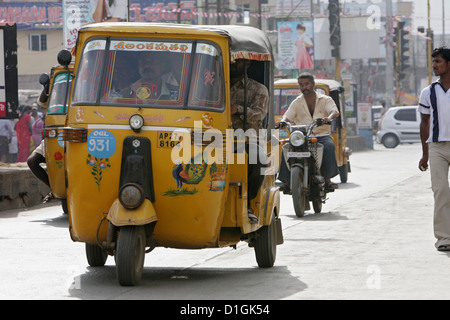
pixel 245 42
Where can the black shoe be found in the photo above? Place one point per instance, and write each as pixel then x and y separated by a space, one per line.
pixel 285 188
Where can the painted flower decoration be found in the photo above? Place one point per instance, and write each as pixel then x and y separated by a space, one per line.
pixel 97 164
pixel 58 156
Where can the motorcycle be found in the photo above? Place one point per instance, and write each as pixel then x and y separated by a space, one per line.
pixel 303 157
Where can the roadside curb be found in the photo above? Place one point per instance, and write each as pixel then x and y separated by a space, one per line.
pixel 19 188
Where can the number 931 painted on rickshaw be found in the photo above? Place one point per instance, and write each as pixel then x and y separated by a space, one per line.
pixel 152 159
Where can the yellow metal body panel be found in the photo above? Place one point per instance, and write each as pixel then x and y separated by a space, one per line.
pixel 121 216
pixel 54 146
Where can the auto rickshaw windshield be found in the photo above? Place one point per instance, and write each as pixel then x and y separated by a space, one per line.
pixel 58 94
pixel 150 73
pixel 284 98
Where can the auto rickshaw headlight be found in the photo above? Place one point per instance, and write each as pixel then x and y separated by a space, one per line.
pixel 131 195
pixel 136 122
pixel 297 138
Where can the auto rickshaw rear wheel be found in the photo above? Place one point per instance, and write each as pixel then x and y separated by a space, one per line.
pixel 95 255
pixel 266 245
pixel 130 255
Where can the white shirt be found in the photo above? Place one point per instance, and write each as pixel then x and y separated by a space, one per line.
pixel 298 112
pixel 439 116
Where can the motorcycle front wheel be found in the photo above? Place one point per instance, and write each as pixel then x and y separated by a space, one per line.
pixel 298 194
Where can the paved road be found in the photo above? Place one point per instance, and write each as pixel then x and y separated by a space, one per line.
pixel 373 240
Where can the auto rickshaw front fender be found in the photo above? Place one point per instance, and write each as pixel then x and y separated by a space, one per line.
pixel 120 216
pixel 272 206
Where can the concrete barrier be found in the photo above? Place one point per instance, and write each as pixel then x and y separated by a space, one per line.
pixel 19 188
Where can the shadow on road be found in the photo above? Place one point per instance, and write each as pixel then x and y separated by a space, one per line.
pixel 192 283
pixel 323 216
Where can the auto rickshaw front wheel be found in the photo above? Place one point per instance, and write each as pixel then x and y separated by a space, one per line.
pixel 130 254
pixel 298 194
pixel 266 245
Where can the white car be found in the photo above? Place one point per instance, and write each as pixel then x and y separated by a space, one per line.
pixel 399 125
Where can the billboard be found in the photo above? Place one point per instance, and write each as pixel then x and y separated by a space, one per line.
pixel 32 15
pixel 296 45
pixel 294 8
pixel 79 12
pixel 163 11
pixel 9 99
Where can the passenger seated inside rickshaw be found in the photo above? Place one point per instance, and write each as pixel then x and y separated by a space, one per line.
pixel 257 105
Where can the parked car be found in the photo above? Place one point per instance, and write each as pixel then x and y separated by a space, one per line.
pixel 399 125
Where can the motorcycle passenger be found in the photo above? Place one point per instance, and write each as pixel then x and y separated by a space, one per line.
pixel 311 105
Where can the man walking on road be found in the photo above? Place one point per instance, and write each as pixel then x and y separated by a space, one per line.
pixel 434 106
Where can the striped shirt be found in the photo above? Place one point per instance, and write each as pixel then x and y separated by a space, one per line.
pixel 435 101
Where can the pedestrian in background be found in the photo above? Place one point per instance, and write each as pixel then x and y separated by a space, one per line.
pixel 13 147
pixel 434 106
pixel 36 129
pixel 23 130
pixel 6 133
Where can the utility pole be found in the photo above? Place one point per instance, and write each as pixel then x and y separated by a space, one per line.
pixel 429 43
pixel 389 56
pixel 443 23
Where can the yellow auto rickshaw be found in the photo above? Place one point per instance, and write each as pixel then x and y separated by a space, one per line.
pixel 286 90
pixel 59 81
pixel 151 159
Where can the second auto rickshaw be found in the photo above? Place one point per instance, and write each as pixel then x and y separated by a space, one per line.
pixel 59 82
pixel 151 159
pixel 286 90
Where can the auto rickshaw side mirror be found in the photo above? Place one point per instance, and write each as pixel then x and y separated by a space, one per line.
pixel 64 57
pixel 44 79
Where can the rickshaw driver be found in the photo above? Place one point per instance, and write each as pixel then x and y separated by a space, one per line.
pixel 308 106
pixel 155 82
pixel 257 108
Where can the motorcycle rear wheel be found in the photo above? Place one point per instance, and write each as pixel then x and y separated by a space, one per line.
pixel 298 195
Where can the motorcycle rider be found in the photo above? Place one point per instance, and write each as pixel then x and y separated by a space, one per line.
pixel 311 105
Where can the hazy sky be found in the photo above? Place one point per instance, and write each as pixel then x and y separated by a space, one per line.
pixel 421 14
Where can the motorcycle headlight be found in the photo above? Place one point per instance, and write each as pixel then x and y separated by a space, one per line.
pixel 131 195
pixel 136 122
pixel 297 138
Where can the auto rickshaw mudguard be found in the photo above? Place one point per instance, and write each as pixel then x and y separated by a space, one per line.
pixel 272 206
pixel 120 216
